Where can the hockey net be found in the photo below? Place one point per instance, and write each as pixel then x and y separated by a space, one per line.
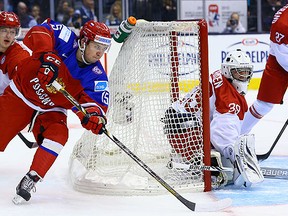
pixel 157 65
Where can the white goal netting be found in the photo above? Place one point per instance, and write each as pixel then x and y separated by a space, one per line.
pixel 157 65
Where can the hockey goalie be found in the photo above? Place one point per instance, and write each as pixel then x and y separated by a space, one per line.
pixel 227 89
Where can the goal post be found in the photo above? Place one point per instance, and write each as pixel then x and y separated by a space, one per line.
pixel 203 47
pixel 157 65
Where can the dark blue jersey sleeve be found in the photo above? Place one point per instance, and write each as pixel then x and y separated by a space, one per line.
pixel 65 39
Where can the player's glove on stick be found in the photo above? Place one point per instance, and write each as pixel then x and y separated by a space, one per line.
pixel 48 71
pixel 94 121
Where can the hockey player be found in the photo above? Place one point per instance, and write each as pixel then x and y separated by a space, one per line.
pixel 11 52
pixel 227 107
pixel 58 54
pixel 274 81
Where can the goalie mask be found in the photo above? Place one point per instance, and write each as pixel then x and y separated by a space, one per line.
pixel 10 20
pixel 238 69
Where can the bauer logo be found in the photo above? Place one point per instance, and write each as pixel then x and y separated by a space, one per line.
pixel 183 57
pixel 257 50
pixel 101 86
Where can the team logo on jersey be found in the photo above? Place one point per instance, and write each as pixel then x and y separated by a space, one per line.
pixel 97 70
pixel 3 59
pixel 101 86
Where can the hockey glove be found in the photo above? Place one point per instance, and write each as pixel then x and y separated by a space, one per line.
pixel 48 71
pixel 178 122
pixel 94 121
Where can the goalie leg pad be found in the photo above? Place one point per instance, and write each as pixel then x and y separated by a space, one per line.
pixel 246 167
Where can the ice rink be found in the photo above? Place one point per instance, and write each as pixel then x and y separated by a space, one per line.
pixel 55 196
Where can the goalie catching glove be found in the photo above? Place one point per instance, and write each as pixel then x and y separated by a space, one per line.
pixel 94 120
pixel 48 71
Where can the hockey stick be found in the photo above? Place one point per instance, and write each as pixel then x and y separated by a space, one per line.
pixel 214 206
pixel 268 172
pixel 28 143
pixel 266 155
pixel 190 167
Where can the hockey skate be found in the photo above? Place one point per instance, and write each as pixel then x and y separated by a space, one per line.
pixel 26 185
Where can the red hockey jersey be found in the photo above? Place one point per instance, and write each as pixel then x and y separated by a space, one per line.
pixel 8 61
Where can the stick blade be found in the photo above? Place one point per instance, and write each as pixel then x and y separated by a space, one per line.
pixel 213 206
pixel 263 157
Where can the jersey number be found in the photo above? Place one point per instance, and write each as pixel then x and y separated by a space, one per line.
pixel 57 27
pixel 105 97
pixel 234 108
pixel 278 36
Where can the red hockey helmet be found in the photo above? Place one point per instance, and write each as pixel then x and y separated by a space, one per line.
pixel 9 19
pixel 96 31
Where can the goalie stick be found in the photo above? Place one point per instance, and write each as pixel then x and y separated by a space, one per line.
pixel 190 167
pixel 268 172
pixel 199 207
pixel 266 155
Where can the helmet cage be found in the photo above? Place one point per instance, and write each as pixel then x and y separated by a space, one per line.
pixel 243 74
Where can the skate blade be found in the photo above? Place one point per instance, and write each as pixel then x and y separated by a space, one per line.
pixel 17 200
